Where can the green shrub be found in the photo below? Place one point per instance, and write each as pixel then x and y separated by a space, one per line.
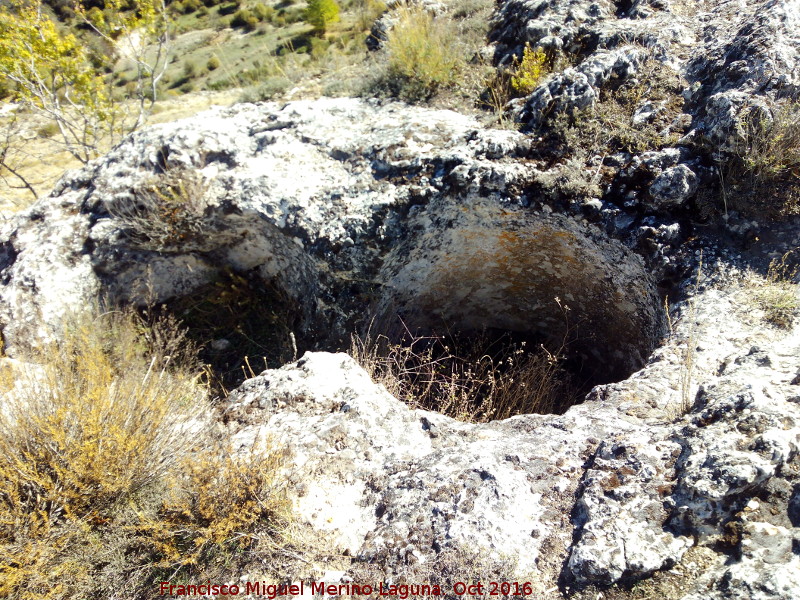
pixel 189 69
pixel 245 19
pixel 229 9
pixel 269 89
pixel 295 15
pixel 213 63
pixel 368 11
pixel 321 13
pixel 608 126
pixel 528 72
pixel 421 53
pixel 48 130
pixel 319 47
pixel 190 6
pixel 263 12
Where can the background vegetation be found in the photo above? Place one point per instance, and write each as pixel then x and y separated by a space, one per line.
pixel 762 176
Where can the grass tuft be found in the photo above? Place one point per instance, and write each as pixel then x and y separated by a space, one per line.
pixel 763 176
pixel 422 56
pixel 776 292
pixel 164 211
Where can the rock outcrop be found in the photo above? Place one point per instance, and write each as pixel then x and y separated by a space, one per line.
pixel 681 467
pixel 412 212
pixel 694 77
pixel 618 488
pixel 733 56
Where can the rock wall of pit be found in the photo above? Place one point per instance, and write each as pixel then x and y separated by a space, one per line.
pixel 410 212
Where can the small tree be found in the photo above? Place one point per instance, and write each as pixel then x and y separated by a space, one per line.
pixel 321 13
pixel 50 73
pixel 54 74
pixel 13 155
pixel 139 31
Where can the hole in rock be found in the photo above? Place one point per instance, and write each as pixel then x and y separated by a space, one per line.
pixel 498 312
pixel 242 325
pixel 545 300
pixel 475 376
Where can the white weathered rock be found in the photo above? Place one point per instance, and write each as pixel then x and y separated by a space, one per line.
pixel 397 486
pixel 674 186
pixel 420 205
pixel 344 203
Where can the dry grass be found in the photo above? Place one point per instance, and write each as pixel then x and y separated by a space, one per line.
pixel 164 211
pixel 763 176
pixel 463 380
pixel 109 472
pixel 771 146
pixel 42 161
pixel 776 292
pixel 422 54
pixel 609 126
pixel 220 501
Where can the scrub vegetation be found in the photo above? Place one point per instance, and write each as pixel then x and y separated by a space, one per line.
pixel 776 292
pixel 112 474
pixel 474 378
pixel 116 62
pixel 422 55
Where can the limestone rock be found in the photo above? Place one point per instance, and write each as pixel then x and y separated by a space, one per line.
pixel 721 49
pixel 732 63
pixel 427 216
pixel 283 195
pixel 674 186
pixel 502 487
pixel 641 494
